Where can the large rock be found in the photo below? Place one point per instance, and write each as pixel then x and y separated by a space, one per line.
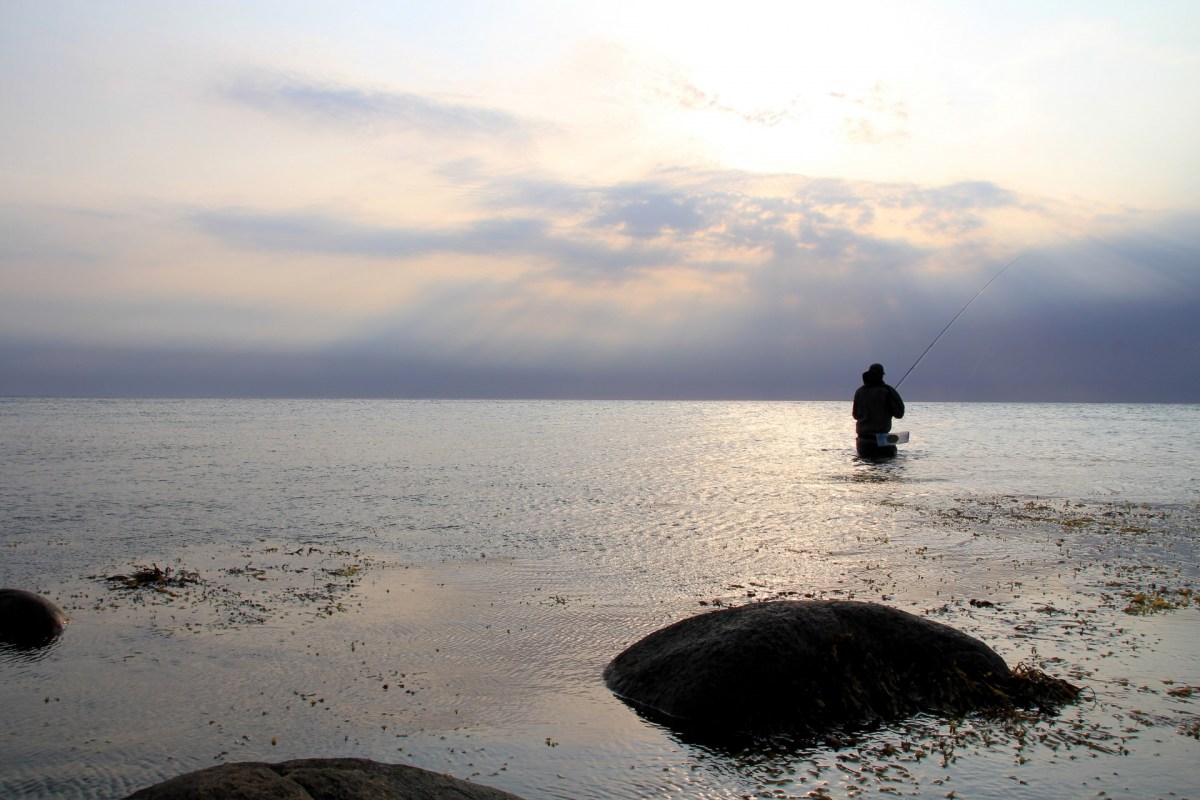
pixel 317 779
pixel 808 666
pixel 28 619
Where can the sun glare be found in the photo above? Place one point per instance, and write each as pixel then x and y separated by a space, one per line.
pixel 786 87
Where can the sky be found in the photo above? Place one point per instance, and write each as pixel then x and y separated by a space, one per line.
pixel 618 199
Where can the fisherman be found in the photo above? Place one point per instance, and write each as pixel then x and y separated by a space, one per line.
pixel 875 404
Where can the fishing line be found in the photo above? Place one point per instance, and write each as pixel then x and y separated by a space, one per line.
pixel 959 314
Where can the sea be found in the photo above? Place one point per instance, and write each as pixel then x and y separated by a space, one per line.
pixel 441 584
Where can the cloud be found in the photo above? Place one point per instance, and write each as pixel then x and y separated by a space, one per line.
pixel 647 212
pixel 681 91
pixel 956 209
pixel 326 102
pixel 683 284
pixel 1056 350
pixel 874 117
pixel 614 231
pixel 960 196
pixel 711 223
pixel 313 233
pixel 495 237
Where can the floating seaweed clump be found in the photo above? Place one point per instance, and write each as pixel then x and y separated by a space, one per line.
pixel 153 577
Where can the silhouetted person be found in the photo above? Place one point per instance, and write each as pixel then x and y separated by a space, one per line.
pixel 875 404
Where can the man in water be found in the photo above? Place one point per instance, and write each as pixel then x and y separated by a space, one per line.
pixel 875 404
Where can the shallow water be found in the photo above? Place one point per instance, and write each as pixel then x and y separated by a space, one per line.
pixel 441 583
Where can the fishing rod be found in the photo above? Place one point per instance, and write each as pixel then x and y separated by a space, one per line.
pixel 959 314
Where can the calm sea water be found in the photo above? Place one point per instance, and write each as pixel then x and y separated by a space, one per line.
pixel 440 583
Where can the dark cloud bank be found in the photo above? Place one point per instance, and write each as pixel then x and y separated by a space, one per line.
pixel 1107 352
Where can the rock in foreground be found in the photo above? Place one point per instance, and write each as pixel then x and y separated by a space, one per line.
pixel 317 779
pixel 807 666
pixel 28 619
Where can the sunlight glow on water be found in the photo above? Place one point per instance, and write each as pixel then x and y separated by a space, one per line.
pixel 484 560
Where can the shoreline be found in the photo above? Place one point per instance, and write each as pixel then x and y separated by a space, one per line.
pixel 489 667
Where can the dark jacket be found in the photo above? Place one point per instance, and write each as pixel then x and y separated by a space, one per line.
pixel 875 403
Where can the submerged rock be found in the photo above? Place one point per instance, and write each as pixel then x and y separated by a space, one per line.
pixel 807 666
pixel 28 619
pixel 317 779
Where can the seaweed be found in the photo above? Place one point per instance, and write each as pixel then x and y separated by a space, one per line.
pixel 153 577
pixel 1030 687
pixel 268 583
pixel 1158 598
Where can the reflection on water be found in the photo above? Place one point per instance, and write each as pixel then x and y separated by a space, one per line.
pixel 878 470
pixel 14 655
pixel 442 584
